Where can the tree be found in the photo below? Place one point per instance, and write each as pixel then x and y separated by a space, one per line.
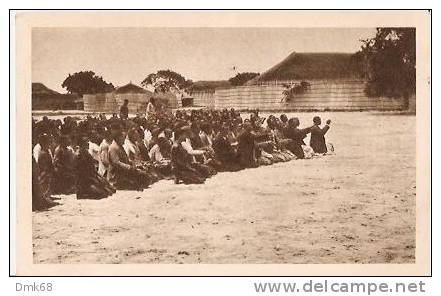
pixel 389 62
pixel 163 80
pixel 86 82
pixel 242 78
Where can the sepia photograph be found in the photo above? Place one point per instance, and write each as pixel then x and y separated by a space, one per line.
pixel 206 144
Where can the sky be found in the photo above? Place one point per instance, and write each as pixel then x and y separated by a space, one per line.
pixel 123 55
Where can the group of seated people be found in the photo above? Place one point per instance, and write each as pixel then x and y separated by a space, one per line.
pixel 95 156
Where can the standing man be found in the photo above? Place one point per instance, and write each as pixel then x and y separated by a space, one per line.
pixel 124 110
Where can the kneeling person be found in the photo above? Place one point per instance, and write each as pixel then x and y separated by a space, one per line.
pixel 123 174
pixel 90 184
pixel 318 142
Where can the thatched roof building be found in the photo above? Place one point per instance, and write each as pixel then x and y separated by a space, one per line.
pixel 44 98
pixel 39 89
pixel 137 96
pixel 303 66
pixel 208 85
pixel 131 88
pixel 322 81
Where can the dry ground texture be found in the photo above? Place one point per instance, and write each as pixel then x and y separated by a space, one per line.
pixel 357 206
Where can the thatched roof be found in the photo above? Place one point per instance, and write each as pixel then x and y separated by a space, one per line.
pixel 40 89
pixel 131 88
pixel 311 66
pixel 44 98
pixel 205 85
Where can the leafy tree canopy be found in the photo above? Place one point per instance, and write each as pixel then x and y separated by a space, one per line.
pixel 163 80
pixel 86 82
pixel 389 62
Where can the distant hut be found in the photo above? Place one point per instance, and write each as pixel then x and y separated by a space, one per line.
pixel 137 96
pixel 203 91
pixel 44 98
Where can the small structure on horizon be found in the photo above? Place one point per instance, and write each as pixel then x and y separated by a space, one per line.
pixel 44 98
pixel 137 96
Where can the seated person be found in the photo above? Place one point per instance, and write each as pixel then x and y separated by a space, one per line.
pixel 182 161
pixel 41 192
pixel 203 140
pixel 297 145
pixel 225 153
pixel 123 174
pixel 264 145
pixel 200 161
pixel 90 185
pixel 131 148
pixel 45 167
pixel 283 123
pixel 246 147
pixel 231 136
pixel 160 155
pixel 206 135
pixel 279 152
pixel 139 142
pixel 94 146
pixel 64 167
pixel 103 165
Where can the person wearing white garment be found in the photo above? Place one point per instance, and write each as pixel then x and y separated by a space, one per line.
pixel 103 165
pixel 203 169
pixel 160 155
pixel 94 150
pixel 151 108
pixel 131 150
pixel 206 135
pixel 147 137
pixel 36 152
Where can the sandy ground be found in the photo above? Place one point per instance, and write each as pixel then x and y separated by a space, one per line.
pixel 357 206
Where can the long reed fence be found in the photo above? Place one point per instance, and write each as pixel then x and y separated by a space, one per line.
pixel 321 95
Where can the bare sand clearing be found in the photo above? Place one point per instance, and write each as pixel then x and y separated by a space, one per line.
pixel 357 206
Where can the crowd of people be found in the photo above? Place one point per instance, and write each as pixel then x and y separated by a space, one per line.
pixel 95 156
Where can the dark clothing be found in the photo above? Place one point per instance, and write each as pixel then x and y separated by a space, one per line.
pixel 64 181
pixel 182 166
pixel 318 142
pixel 124 112
pixel 204 170
pixel 197 143
pixel 39 201
pixel 68 127
pixel 121 173
pixel 45 174
pixel 246 150
pixel 90 184
pixel 284 129
pixel 297 135
pixel 143 151
pixel 225 154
